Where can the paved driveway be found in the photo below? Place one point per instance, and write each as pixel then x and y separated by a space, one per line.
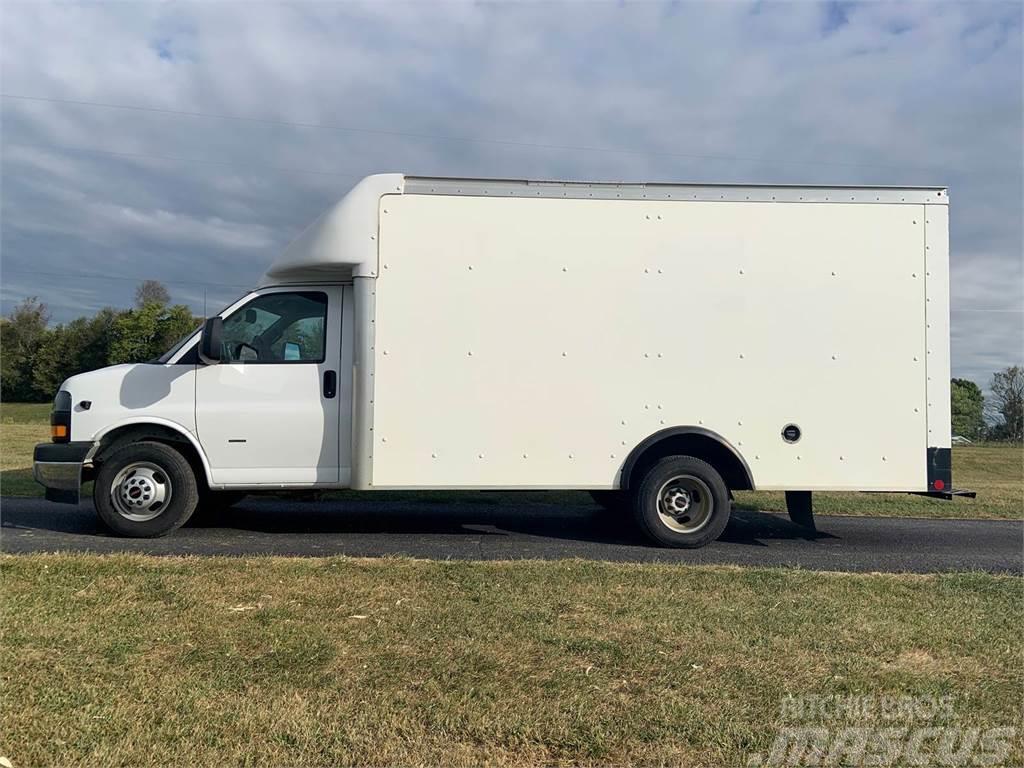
pixel 505 530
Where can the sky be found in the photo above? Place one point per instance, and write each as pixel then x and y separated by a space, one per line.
pixel 248 119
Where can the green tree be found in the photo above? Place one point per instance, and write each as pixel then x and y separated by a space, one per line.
pixel 1007 404
pixel 21 335
pixel 968 409
pixel 143 334
pixel 95 341
pixel 81 345
pixel 35 359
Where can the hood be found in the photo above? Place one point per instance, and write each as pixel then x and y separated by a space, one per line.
pixel 131 393
pixel 102 378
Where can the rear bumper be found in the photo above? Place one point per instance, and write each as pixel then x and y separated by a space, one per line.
pixel 940 469
pixel 949 494
pixel 940 476
pixel 58 468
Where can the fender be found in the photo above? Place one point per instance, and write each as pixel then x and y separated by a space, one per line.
pixel 634 456
pixel 157 421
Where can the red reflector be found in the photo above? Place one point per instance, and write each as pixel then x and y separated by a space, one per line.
pixel 939 485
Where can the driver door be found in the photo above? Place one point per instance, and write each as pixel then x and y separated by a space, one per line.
pixel 268 413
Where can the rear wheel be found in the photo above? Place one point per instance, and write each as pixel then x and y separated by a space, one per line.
pixel 144 490
pixel 682 502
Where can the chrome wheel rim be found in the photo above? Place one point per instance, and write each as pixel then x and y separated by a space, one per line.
pixel 685 504
pixel 140 491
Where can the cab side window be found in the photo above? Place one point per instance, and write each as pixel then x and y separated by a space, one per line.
pixel 277 328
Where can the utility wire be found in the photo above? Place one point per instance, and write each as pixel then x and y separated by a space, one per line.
pixel 202 161
pixel 440 137
pixel 97 276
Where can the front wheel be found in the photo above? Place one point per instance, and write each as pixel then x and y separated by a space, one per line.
pixel 144 490
pixel 682 502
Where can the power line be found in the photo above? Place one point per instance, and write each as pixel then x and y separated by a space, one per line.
pixel 441 137
pixel 202 161
pixel 98 276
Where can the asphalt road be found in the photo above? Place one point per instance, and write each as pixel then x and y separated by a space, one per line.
pixel 506 530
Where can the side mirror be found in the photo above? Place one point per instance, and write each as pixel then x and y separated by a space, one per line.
pixel 210 341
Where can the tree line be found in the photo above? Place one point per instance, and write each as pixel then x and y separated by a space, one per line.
pixel 36 357
pixel 998 417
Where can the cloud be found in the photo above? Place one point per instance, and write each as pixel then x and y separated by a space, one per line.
pixel 169 227
pixel 836 93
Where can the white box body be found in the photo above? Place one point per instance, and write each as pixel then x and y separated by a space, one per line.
pixel 533 341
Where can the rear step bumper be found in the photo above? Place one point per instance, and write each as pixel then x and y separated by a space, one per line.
pixel 948 494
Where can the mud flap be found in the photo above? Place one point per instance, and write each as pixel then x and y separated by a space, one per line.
pixel 798 504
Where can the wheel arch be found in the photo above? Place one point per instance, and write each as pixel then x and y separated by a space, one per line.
pixel 158 430
pixel 699 442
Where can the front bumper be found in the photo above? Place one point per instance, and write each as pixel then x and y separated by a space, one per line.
pixel 58 467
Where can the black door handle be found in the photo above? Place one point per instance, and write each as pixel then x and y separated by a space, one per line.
pixel 330 384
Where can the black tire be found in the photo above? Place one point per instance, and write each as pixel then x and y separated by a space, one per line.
pixel 700 498
pixel 611 502
pixel 161 472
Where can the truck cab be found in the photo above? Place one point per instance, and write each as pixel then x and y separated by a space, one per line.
pixel 259 399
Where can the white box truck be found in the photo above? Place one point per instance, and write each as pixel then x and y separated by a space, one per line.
pixel 661 345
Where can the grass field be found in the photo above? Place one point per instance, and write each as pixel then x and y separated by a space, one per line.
pixel 162 661
pixel 22 425
pixel 995 471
